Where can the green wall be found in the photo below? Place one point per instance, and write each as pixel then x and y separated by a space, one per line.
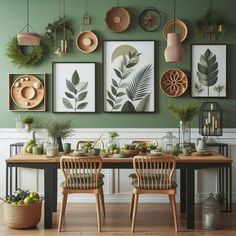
pixel 13 18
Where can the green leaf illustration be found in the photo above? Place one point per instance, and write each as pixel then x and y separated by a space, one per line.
pixel 110 102
pixel 82 96
pixel 75 78
pixel 81 106
pixel 69 95
pixel 113 90
pixel 110 96
pixel 128 107
pixel 124 85
pixel 208 69
pixel 118 73
pixel 76 92
pixel 82 86
pixel 198 88
pixel 144 103
pixel 140 84
pixel 116 107
pixel 218 88
pixel 70 87
pixel 115 83
pixel 67 103
pixel 120 94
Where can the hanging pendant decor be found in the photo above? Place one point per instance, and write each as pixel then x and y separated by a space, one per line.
pixel 86 40
pixel 28 38
pixel 117 19
pixel 211 25
pixel 54 31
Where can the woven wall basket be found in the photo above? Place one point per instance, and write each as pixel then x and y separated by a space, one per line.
pixel 22 216
pixel 26 38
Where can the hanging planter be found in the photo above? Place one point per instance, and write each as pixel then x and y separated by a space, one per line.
pixel 28 38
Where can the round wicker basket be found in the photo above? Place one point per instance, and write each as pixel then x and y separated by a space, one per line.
pixel 22 216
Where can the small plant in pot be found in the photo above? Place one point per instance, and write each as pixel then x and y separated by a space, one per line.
pixel 58 129
pixel 28 121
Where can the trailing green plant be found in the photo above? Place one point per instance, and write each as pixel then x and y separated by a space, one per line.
pixel 53 28
pixel 76 92
pixel 58 128
pixel 184 113
pixel 20 58
pixel 28 119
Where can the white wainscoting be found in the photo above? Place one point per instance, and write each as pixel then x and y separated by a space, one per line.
pixel 117 184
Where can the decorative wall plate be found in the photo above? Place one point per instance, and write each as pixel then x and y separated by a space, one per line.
pixel 180 27
pixel 150 19
pixel 87 41
pixel 174 83
pixel 26 91
pixel 117 19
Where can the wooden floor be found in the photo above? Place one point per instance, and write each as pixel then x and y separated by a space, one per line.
pixel 152 219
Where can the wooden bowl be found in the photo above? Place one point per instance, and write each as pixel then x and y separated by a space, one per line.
pixel 131 151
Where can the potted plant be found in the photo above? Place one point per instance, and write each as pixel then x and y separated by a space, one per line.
pixel 28 121
pixel 184 114
pixel 58 129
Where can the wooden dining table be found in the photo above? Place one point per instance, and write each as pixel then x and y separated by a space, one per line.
pixel 186 164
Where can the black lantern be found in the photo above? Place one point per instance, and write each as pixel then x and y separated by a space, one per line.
pixel 210 119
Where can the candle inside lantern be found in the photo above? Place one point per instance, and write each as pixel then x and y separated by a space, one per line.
pixel 62 46
pixel 209 117
pixel 65 45
pixel 211 106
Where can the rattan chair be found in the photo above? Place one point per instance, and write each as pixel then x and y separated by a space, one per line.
pixel 154 176
pixel 82 175
pixel 80 144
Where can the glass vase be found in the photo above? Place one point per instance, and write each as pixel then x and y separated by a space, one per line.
pixel 168 142
pixel 184 134
pixel 113 142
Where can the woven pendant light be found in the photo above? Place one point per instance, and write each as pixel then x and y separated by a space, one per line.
pixel 28 38
pixel 174 51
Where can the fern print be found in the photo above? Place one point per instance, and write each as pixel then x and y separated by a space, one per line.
pixel 122 72
pixel 76 94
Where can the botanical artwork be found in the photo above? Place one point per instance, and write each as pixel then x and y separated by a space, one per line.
pixel 209 70
pixel 74 87
pixel 76 94
pixel 129 76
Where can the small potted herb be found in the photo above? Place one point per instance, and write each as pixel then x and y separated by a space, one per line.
pixel 28 121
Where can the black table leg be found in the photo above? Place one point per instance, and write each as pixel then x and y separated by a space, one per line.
pixel 48 197
pixel 54 190
pixel 230 188
pixel 7 180
pixel 190 182
pixel 182 190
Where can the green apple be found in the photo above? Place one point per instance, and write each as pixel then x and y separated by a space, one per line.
pixel 28 200
pixel 34 195
pixel 35 200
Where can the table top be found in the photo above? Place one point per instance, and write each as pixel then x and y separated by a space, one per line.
pixel 30 158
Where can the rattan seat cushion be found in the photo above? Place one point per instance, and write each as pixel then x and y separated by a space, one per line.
pixel 152 184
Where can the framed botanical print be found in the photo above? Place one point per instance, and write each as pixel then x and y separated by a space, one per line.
pixel 73 86
pixel 129 76
pixel 208 70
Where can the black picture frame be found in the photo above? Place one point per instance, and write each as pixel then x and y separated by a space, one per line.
pixel 133 77
pixel 205 84
pixel 78 82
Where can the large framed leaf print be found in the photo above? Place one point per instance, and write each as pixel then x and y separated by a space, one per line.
pixel 73 86
pixel 129 76
pixel 208 70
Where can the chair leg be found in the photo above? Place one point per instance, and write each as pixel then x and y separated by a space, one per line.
pixel 136 195
pixel 98 212
pixel 131 206
pixel 102 202
pixel 62 212
pixel 174 211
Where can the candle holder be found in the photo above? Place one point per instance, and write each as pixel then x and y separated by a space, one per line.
pixel 210 119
